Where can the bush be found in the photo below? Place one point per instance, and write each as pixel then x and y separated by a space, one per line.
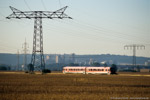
pixel 113 69
pixel 26 72
pixel 3 68
pixel 46 71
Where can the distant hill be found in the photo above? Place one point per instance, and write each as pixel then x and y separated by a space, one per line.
pixel 11 59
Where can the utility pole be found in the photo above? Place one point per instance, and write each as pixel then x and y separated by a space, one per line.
pixel 37 59
pixel 18 61
pixel 25 50
pixel 134 47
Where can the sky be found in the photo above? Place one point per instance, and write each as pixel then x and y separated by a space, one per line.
pixel 97 27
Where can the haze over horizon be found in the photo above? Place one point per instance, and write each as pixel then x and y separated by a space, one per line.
pixel 97 27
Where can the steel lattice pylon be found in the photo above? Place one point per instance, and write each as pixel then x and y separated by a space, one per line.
pixel 37 53
pixel 134 47
pixel 37 59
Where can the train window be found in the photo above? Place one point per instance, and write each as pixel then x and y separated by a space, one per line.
pixel 102 69
pixel 108 69
pixel 105 69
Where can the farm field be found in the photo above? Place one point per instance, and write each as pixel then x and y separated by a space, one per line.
pixel 58 86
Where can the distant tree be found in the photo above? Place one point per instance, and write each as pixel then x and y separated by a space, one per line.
pixel 3 68
pixel 8 68
pixel 138 68
pixel 73 64
pixel 113 69
pixel 96 64
pixel 105 65
pixel 30 67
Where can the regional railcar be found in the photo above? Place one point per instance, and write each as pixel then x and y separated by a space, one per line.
pixel 86 70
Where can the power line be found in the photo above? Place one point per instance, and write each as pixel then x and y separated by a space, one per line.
pixel 59 3
pixel 99 34
pixel 107 31
pixel 43 4
pixel 27 5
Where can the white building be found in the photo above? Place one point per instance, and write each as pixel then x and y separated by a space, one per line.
pixel 147 63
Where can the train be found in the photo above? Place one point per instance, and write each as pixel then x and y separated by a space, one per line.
pixel 86 70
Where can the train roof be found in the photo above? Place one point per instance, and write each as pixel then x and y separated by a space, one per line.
pixel 85 67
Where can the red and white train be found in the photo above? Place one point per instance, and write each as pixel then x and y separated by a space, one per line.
pixel 86 70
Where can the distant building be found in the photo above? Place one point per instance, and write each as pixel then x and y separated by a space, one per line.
pixel 46 60
pixel 63 60
pixel 104 62
pixel 91 61
pixel 147 63
pixel 72 58
pixel 57 59
pixel 60 59
pixel 110 62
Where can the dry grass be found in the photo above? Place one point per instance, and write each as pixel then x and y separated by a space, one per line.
pixel 71 86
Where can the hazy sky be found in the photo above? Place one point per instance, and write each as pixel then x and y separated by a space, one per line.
pixel 97 27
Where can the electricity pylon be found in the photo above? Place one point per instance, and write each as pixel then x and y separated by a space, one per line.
pixel 37 59
pixel 25 50
pixel 134 47
pixel 18 60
